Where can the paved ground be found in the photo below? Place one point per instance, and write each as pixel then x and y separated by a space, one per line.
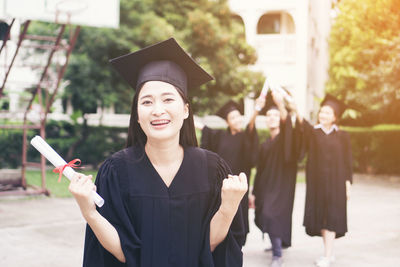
pixel 49 232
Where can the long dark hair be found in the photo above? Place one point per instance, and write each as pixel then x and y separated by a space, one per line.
pixel 136 136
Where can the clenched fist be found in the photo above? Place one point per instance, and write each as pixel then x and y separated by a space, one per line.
pixel 233 189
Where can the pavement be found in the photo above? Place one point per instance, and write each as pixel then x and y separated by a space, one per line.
pixel 43 231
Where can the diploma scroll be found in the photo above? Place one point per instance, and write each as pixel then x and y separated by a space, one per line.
pixel 268 85
pixel 48 152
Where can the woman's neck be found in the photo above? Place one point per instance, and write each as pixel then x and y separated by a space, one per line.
pixel 163 152
pixel 233 131
pixel 274 132
pixel 327 127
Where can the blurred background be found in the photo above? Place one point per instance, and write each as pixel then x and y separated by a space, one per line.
pixel 56 81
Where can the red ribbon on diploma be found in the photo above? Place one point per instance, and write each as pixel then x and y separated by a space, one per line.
pixel 71 164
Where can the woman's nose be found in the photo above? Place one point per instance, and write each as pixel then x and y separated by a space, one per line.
pixel 158 108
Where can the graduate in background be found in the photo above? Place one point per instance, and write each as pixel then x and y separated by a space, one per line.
pixel 275 181
pixel 167 202
pixel 328 176
pixel 236 146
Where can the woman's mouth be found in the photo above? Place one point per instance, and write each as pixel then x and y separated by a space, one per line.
pixel 159 123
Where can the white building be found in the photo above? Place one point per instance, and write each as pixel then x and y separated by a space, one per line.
pixel 290 37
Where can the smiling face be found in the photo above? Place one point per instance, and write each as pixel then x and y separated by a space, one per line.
pixel 326 116
pixel 234 120
pixel 161 111
pixel 273 117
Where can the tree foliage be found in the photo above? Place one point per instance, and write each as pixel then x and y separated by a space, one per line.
pixel 365 58
pixel 204 28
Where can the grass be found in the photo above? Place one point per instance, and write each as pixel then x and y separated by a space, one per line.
pixel 57 189
pixel 375 128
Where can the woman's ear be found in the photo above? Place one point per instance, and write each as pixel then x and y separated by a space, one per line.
pixel 186 111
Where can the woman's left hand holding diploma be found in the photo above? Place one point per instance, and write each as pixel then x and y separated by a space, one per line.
pixel 81 187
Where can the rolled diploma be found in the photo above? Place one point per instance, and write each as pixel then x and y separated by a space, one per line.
pixel 48 152
pixel 284 93
pixel 274 87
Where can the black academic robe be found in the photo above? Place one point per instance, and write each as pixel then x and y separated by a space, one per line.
pixel 162 226
pixel 329 166
pixel 275 183
pixel 239 151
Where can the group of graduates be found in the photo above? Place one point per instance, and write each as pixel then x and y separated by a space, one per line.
pixel 328 169
pixel 169 202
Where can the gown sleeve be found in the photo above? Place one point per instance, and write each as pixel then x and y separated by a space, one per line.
pixel 287 132
pixel 348 157
pixel 229 252
pixel 109 186
pixel 209 138
pixel 297 140
pixel 261 158
pixel 251 143
pixel 305 130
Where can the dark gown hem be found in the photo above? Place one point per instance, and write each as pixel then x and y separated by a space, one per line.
pixel 313 233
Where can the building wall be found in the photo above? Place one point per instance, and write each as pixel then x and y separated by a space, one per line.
pixel 297 57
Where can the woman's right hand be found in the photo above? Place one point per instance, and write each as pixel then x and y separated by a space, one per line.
pixel 233 189
pixel 81 187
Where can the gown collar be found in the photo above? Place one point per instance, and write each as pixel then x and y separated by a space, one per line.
pixel 333 128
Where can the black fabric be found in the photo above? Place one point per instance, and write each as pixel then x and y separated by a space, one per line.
pixel 269 103
pixel 275 182
pixel 239 151
pixel 130 65
pixel 165 71
pixel 329 166
pixel 163 226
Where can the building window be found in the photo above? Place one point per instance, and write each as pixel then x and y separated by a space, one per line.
pixel 269 24
pixel 276 23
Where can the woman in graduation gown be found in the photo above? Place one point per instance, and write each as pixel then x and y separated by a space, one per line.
pixel 167 202
pixel 236 146
pixel 328 176
pixel 275 181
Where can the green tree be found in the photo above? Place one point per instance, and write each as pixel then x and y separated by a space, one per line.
pixel 365 58
pixel 205 29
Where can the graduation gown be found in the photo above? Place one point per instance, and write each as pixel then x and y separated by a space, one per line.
pixel 329 166
pixel 239 151
pixel 162 226
pixel 275 182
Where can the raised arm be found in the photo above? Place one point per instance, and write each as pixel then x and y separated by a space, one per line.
pixel 293 108
pixel 278 99
pixel 260 103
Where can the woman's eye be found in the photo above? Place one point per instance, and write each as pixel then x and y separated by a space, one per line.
pixel 169 100
pixel 146 102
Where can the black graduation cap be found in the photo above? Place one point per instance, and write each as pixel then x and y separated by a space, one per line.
pixel 228 107
pixel 269 104
pixel 338 106
pixel 165 61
